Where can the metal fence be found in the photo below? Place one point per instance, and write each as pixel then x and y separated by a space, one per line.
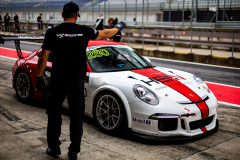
pixel 162 14
pixel 218 13
pixel 148 34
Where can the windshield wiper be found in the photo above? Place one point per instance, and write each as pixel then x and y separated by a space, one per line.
pixel 124 57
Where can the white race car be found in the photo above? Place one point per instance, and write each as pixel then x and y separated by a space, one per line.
pixel 125 90
pixel 156 102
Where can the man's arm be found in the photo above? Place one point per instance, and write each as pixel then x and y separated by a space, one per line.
pixel 42 62
pixel 103 34
pixel 111 32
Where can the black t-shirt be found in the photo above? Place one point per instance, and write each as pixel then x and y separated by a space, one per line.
pixel 117 37
pixel 39 18
pixel 16 19
pixel 0 17
pixel 7 18
pixel 99 24
pixel 68 42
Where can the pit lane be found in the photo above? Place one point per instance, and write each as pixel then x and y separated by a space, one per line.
pixel 23 129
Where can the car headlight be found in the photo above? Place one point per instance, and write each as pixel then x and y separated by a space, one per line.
pixel 201 82
pixel 145 94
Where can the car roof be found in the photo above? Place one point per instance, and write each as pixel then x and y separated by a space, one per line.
pixel 102 42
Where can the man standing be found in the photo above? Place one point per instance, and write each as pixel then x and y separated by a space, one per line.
pixel 6 21
pixel 40 25
pixel 99 24
pixel 0 19
pixel 17 23
pixel 68 42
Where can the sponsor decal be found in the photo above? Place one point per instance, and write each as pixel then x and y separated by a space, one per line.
pixel 142 121
pixel 31 37
pixel 193 115
pixel 189 115
pixel 64 35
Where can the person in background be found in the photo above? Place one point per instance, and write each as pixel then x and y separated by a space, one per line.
pixel 0 18
pixel 40 25
pixel 117 37
pixel 17 23
pixel 6 21
pixel 99 24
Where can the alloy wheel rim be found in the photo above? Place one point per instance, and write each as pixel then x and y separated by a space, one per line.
pixel 23 85
pixel 108 112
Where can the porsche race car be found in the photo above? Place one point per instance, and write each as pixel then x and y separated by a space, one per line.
pixel 125 89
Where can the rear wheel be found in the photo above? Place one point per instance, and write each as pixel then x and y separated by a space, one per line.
pixel 23 86
pixel 109 112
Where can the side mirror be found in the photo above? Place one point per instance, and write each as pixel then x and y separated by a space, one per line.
pixel 147 59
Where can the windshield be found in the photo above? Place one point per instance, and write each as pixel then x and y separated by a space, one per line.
pixel 115 58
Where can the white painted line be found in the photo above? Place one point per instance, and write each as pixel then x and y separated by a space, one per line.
pixel 230 104
pixel 9 58
pixel 202 64
pixel 14 49
pixel 32 43
pixel 17 120
pixel 223 84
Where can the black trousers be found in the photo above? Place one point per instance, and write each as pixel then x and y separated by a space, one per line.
pixel 16 27
pixel 74 90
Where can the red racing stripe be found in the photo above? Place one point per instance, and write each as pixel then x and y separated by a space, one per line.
pixel 204 129
pixel 176 85
pixel 204 109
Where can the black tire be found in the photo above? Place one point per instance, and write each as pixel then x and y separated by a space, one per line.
pixel 23 86
pixel 106 117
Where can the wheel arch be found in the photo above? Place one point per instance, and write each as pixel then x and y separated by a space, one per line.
pixel 122 97
pixel 16 72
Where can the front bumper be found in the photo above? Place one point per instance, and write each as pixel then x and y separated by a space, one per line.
pixel 174 138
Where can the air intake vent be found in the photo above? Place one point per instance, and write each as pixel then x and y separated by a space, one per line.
pixel 167 124
pixel 201 123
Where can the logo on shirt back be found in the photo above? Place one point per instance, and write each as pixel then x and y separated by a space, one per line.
pixel 64 35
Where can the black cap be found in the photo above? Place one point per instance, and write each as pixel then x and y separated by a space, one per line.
pixel 71 7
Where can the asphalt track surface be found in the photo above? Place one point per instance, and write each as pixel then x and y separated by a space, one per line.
pixel 23 130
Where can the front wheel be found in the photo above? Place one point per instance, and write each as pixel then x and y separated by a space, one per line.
pixel 109 112
pixel 23 86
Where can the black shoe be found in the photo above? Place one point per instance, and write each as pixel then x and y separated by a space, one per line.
pixel 72 155
pixel 54 152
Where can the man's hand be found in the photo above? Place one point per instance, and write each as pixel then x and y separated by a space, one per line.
pixel 120 25
pixel 39 84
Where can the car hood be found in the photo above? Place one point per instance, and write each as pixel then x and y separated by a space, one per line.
pixel 173 84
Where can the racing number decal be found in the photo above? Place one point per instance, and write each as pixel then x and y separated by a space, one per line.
pixel 157 76
pixel 163 79
pixel 97 53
